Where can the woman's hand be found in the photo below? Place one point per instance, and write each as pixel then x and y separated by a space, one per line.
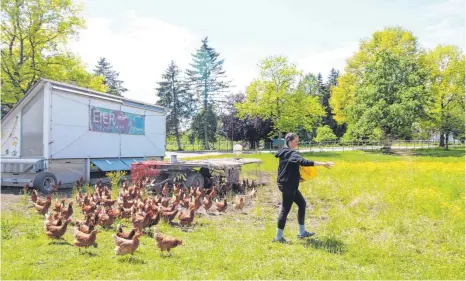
pixel 328 164
pixel 325 164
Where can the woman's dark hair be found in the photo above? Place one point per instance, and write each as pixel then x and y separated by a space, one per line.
pixel 289 137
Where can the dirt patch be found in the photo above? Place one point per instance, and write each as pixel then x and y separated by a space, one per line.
pixel 11 196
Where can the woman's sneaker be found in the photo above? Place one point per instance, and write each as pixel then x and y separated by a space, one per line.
pixel 281 240
pixel 305 234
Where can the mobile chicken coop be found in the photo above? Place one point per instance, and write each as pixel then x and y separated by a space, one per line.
pixel 60 132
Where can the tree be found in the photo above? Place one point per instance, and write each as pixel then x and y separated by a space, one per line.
pixel 114 86
pixel 276 95
pixel 173 95
pixel 236 129
pixel 200 120
pixel 332 81
pixel 325 133
pixel 383 87
pixel 207 77
pixel 33 33
pixel 395 39
pixel 446 78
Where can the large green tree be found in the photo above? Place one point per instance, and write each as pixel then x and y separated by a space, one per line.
pixel 114 85
pixel 383 88
pixel 33 36
pixel 446 67
pixel 208 79
pixel 173 95
pixel 276 95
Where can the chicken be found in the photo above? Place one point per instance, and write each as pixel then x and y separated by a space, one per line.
pixel 44 209
pixel 252 193
pixel 84 227
pixel 58 205
pixel 239 204
pixel 56 187
pixel 195 204
pixel 125 213
pixel 221 206
pixel 67 212
pixel 141 223
pixel 54 220
pixel 155 219
pixel 186 218
pixel 213 193
pixel 169 216
pixel 126 246
pixel 82 239
pixel 57 231
pixel 42 201
pixel 125 235
pixel 165 190
pixel 166 243
pixel 34 196
pixel 207 202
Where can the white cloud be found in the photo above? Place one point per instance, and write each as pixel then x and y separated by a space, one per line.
pixel 324 61
pixel 140 52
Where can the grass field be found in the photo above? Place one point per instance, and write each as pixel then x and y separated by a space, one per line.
pixel 376 217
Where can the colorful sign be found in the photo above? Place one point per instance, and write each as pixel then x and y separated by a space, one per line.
pixel 115 121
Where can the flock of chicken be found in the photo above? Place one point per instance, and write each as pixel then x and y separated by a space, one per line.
pixel 135 204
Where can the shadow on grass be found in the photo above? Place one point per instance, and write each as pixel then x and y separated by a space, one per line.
pixel 88 253
pixel 60 243
pixel 331 245
pixel 131 259
pixel 440 152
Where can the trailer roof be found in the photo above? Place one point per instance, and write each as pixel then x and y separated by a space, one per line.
pixel 86 92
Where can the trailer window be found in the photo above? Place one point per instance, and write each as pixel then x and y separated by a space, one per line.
pixel 32 126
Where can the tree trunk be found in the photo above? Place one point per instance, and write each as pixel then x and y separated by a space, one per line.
pixel 178 142
pixel 206 137
pixel 387 145
pixel 446 141
pixel 252 144
pixel 442 139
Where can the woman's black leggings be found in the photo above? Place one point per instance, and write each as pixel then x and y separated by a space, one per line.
pixel 290 195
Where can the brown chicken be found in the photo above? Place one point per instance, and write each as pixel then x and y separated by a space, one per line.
pixel 141 223
pixel 221 206
pixel 186 217
pixel 54 220
pixel 196 203
pixel 126 246
pixel 125 235
pixel 67 212
pixel 207 202
pixel 239 204
pixel 166 243
pixel 82 239
pixel 44 209
pixel 57 231
pixel 56 187
pixel 42 201
pixel 169 216
pixel 33 195
pixel 213 193
pixel 85 227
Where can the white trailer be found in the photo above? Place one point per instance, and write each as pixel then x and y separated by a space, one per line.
pixel 60 132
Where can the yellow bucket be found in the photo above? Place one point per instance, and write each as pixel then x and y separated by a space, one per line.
pixel 307 172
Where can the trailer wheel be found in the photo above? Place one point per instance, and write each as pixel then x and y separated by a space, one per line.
pixel 195 179
pixel 44 181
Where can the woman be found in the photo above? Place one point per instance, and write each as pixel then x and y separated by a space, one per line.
pixel 288 182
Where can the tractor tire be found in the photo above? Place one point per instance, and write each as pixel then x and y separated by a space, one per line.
pixel 44 181
pixel 195 178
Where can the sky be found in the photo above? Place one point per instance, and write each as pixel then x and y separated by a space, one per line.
pixel 140 37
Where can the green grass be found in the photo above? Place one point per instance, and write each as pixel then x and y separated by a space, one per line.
pixel 376 217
